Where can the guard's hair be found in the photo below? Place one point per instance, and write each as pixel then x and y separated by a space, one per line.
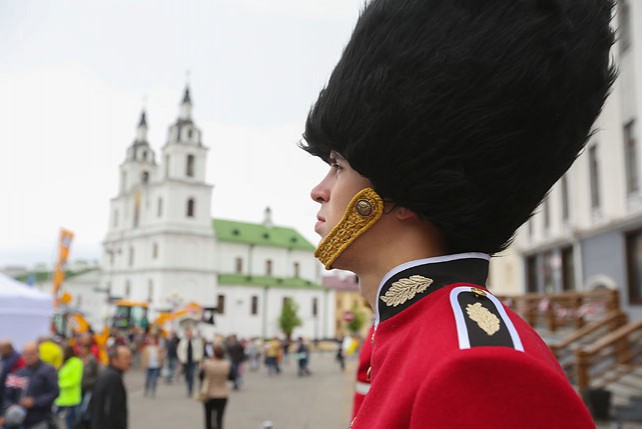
pixel 467 111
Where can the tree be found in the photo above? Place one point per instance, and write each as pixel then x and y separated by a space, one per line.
pixel 289 318
pixel 358 319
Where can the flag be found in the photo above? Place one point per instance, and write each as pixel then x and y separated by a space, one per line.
pixel 16 382
pixel 64 244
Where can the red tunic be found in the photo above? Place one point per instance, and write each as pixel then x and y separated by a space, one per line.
pixel 435 363
pixel 362 383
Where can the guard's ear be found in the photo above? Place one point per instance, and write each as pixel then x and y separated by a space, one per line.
pixel 403 213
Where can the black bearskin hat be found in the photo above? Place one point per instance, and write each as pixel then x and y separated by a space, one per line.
pixel 466 111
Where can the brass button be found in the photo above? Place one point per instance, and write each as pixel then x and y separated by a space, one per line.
pixel 478 292
pixel 364 207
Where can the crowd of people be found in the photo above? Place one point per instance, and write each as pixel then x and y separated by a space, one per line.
pixel 58 383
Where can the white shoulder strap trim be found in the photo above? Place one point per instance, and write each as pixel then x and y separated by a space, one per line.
pixel 462 330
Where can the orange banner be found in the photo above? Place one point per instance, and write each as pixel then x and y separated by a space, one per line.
pixel 64 244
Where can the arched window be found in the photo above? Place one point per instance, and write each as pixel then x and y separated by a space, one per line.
pixel 297 270
pixel 145 176
pixel 268 267
pixel 239 265
pixel 190 166
pixel 190 207
pixel 144 155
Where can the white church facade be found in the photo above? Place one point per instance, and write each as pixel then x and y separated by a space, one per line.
pixel 163 247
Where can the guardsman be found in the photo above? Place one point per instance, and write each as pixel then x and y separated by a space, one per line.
pixel 445 123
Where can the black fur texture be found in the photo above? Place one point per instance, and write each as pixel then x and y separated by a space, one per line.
pixel 467 111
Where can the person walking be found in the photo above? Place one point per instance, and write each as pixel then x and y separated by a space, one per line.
pixel 90 373
pixel 109 400
pixel 171 357
pixel 303 356
pixel 70 384
pixel 190 353
pixel 217 371
pixel 236 352
pixel 152 362
pixel 30 392
pixel 272 354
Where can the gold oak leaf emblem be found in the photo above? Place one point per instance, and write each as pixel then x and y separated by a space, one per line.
pixel 405 289
pixel 484 318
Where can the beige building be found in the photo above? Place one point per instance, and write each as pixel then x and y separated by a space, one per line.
pixel 348 303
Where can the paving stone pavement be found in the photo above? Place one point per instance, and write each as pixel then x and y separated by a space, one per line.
pixel 320 401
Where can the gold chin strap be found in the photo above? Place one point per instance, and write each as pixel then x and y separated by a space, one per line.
pixel 363 211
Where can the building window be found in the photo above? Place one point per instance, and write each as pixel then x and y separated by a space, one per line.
pixel 145 177
pixel 296 270
pixel 190 207
pixel 115 217
pixel 239 265
pixel 549 281
pixel 144 155
pixel 150 290
pixel 189 133
pixel 190 166
pixel 531 274
pixel 634 262
pixel 568 269
pixel 220 304
pixel 625 26
pixel 565 207
pixel 315 307
pixel 268 267
pixel 631 158
pixel 594 171
pixel 155 251
pixel 131 256
pixel 159 207
pixel 546 212
pixel 128 289
pixel 254 310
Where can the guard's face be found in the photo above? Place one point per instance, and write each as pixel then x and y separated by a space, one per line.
pixel 335 191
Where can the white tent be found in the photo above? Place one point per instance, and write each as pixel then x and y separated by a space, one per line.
pixel 25 313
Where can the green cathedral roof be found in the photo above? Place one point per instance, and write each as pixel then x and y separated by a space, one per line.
pixel 233 231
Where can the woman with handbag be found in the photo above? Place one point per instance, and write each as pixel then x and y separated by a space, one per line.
pixel 217 372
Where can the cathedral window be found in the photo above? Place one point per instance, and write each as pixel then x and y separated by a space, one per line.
pixel 268 267
pixel 220 304
pixel 145 176
pixel 255 305
pixel 189 134
pixel 190 207
pixel 144 155
pixel 190 166
pixel 239 265
pixel 128 289
pixel 296 270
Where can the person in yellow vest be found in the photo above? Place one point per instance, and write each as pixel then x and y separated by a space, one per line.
pixel 50 352
pixel 70 384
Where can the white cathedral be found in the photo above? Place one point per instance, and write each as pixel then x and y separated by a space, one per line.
pixel 162 246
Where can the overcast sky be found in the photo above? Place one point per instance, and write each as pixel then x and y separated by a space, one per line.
pixel 74 77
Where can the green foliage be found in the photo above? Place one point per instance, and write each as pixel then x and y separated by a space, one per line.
pixel 289 318
pixel 358 321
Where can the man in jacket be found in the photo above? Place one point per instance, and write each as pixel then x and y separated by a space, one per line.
pixel 11 362
pixel 190 353
pixel 109 401
pixel 34 387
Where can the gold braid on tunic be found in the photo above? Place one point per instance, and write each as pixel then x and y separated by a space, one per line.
pixel 363 211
